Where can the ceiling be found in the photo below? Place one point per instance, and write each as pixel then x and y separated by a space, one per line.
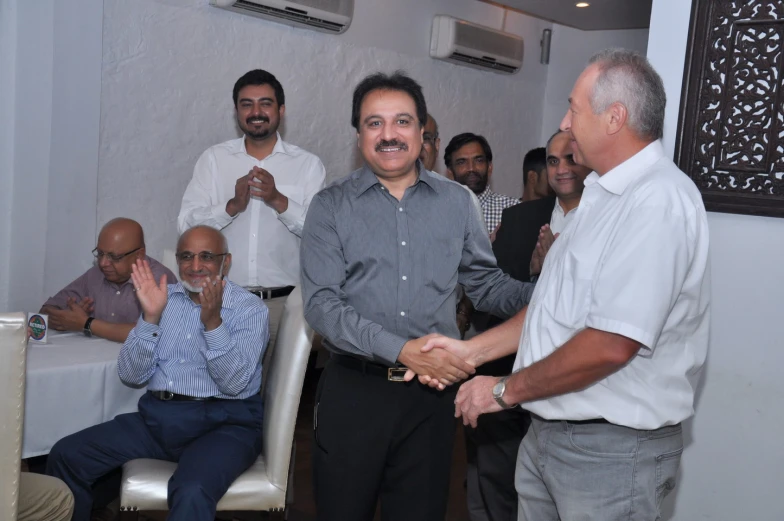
pixel 600 15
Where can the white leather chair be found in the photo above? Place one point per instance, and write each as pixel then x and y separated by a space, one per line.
pixel 13 347
pixel 264 486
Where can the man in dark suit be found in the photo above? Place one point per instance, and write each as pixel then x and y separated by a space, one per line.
pixel 526 229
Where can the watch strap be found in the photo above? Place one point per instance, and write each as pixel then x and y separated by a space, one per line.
pixel 88 327
pixel 499 398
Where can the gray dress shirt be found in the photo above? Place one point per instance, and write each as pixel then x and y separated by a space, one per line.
pixel 377 272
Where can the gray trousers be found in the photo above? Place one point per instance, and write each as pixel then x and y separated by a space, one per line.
pixel 582 471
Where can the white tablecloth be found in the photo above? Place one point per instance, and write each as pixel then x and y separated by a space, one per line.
pixel 72 384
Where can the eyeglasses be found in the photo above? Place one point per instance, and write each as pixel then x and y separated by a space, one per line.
pixel 112 256
pixel 206 257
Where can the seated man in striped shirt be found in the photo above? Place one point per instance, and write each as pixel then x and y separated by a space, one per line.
pixel 198 347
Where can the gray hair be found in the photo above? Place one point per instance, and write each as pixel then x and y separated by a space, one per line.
pixel 628 78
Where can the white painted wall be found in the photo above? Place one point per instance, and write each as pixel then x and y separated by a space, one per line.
pixel 570 50
pixel 733 465
pixel 8 35
pixel 49 145
pixel 169 68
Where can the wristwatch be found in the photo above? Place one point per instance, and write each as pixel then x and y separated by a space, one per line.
pixel 88 332
pixel 498 393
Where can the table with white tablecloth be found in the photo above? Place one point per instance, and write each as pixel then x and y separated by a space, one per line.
pixel 71 384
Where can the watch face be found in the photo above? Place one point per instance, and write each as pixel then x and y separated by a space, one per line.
pixel 498 389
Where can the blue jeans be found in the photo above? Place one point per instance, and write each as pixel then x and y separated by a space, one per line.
pixel 582 471
pixel 212 441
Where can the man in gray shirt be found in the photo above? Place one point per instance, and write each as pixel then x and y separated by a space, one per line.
pixel 383 251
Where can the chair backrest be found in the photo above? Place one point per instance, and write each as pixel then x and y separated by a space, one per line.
pixel 283 389
pixel 13 346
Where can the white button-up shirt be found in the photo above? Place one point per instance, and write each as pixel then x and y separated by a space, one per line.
pixel 559 219
pixel 263 243
pixel 633 261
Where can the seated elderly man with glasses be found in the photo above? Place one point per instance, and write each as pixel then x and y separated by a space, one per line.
pixel 102 301
pixel 198 347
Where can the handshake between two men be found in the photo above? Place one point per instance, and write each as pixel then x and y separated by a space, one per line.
pixel 439 361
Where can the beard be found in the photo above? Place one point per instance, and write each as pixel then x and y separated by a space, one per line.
pixel 257 134
pixel 475 181
pixel 193 289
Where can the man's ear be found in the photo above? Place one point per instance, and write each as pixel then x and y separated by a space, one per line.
pixel 616 117
pixel 489 170
pixel 226 266
pixel 282 111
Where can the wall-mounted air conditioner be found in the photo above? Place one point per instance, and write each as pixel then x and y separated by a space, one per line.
pixel 329 16
pixel 475 45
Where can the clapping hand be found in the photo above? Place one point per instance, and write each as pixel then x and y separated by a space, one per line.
pixel 152 296
pixel 211 300
pixel 543 244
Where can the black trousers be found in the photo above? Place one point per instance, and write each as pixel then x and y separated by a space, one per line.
pixel 491 453
pixel 380 440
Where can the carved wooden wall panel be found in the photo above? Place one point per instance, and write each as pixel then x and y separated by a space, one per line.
pixel 731 124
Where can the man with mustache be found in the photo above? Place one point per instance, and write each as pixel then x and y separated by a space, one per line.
pixel 102 302
pixel 469 160
pixel 256 189
pixel 383 250
pixel 198 347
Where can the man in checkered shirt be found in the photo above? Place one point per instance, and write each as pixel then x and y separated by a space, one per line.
pixel 470 161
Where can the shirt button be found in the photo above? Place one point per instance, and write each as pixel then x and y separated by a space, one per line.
pixel 403 243
pixel 171 383
pixel 155 334
pixel 118 291
pixel 402 313
pixel 188 337
pixel 181 361
pixel 405 278
pixel 399 209
pixel 112 314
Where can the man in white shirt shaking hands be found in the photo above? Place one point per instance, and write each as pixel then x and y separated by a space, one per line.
pixel 256 189
pixel 611 347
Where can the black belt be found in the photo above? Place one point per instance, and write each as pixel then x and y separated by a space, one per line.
pixel 268 293
pixel 588 422
pixel 168 396
pixel 393 374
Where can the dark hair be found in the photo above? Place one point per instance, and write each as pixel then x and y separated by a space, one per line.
pixel 398 81
pixel 259 77
pixel 461 140
pixel 536 160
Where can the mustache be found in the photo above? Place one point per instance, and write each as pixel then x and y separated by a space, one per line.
pixel 262 119
pixel 391 143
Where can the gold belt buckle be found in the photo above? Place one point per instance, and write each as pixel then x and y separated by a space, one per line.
pixel 396 374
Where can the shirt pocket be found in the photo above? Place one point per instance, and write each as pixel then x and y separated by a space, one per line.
pixel 443 262
pixel 575 286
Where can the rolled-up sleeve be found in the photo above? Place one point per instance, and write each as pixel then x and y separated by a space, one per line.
pixel 326 307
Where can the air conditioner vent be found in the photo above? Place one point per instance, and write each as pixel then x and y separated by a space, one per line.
pixel 331 16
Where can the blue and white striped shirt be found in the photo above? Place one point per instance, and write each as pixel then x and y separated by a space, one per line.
pixel 178 355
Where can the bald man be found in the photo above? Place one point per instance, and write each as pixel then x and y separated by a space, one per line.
pixel 102 302
pixel 198 347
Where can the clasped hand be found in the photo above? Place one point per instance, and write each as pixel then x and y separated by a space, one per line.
pixel 437 368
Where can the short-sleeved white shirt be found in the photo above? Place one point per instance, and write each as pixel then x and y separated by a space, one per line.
pixel 632 261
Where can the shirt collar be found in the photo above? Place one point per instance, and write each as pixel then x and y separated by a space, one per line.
pixel 228 303
pixel 619 178
pixel 367 179
pixel 238 146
